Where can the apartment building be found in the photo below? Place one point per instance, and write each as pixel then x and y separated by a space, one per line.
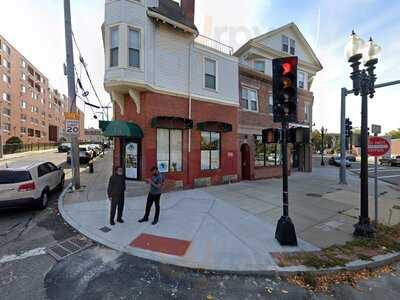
pixel 30 108
pixel 176 94
pixel 256 101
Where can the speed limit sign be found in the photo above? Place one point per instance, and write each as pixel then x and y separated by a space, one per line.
pixel 72 123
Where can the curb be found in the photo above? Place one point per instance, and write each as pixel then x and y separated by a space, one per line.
pixel 354 266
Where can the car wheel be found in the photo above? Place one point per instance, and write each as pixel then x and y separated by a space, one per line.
pixel 43 200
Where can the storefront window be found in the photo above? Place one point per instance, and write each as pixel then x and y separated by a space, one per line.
pixel 210 150
pixel 169 148
pixel 267 154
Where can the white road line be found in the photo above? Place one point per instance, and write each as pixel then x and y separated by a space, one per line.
pixel 30 253
pixel 389 176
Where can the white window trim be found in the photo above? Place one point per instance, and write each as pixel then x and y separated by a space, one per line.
pixel 258 102
pixel 141 54
pixel 288 44
pixel 304 79
pixel 265 65
pixel 216 74
pixel 271 112
pixel 110 29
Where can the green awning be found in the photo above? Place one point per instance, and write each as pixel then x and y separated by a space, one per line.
pixel 214 126
pixel 120 129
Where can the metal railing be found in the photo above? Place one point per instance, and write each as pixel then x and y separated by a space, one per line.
pixel 20 148
pixel 214 44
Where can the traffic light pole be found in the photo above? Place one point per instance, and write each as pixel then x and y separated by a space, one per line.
pixel 71 92
pixel 285 230
pixel 342 175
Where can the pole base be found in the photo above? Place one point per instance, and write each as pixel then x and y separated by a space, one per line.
pixel 364 228
pixel 285 232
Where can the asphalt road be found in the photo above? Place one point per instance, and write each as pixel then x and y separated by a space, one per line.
pixel 28 272
pixel 385 173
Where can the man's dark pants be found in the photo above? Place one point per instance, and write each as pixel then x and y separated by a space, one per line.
pixel 117 201
pixel 152 198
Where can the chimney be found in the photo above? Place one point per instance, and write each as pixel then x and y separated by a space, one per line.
pixel 188 9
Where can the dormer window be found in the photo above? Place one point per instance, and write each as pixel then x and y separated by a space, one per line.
pixel 114 47
pixel 134 48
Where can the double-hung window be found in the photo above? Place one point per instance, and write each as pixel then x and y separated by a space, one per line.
pixel 285 44
pixel 292 46
pixel 307 112
pixel 169 148
pixel 249 99
pixel 271 104
pixel 114 47
pixel 210 150
pixel 134 48
pixel 301 78
pixel 210 80
pixel 259 65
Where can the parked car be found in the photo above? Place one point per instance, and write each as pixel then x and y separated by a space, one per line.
pixel 64 147
pixel 85 154
pixel 336 161
pixel 351 158
pixel 390 161
pixel 31 184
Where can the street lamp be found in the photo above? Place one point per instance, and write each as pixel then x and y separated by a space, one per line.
pixel 364 84
pixel 323 131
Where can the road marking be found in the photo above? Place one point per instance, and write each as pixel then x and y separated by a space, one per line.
pixel 30 253
pixel 389 176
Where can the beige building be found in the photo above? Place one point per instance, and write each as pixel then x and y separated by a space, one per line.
pixel 30 108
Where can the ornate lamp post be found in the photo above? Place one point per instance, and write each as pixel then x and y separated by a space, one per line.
pixel 364 84
pixel 323 132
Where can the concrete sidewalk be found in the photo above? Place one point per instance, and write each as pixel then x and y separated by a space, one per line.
pixel 229 227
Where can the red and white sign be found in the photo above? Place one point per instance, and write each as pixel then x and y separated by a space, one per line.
pixel 378 146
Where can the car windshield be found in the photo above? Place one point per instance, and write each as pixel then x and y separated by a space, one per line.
pixel 82 149
pixel 10 176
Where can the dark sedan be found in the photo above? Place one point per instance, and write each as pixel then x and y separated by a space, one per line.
pixel 64 147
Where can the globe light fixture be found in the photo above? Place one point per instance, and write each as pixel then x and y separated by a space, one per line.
pixel 371 51
pixel 354 47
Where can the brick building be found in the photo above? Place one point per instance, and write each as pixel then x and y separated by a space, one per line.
pixel 256 101
pixel 30 108
pixel 176 94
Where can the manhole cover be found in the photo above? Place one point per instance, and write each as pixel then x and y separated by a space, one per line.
pixel 105 229
pixel 69 247
pixel 314 195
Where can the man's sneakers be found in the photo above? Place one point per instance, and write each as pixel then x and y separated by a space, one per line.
pixel 143 220
pixel 112 223
pixel 120 221
pixel 155 222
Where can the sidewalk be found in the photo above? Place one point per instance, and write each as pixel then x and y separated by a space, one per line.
pixel 229 227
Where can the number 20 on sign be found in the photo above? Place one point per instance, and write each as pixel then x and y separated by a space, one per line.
pixel 72 124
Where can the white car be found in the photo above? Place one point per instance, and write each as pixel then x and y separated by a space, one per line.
pixel 86 154
pixel 29 184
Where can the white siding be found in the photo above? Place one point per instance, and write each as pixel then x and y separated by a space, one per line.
pixel 165 56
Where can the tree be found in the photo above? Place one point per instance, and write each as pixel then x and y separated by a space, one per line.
pixel 316 140
pixel 14 140
pixel 395 134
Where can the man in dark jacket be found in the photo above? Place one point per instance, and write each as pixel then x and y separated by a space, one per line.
pixel 116 194
pixel 156 184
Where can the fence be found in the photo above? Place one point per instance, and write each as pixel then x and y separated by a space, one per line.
pixel 19 148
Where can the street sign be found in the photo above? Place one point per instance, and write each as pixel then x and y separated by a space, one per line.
pixel 377 146
pixel 72 123
pixel 376 129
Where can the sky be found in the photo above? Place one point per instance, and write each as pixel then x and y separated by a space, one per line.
pixel 38 33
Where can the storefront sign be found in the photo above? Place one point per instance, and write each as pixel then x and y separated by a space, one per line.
pixel 131 161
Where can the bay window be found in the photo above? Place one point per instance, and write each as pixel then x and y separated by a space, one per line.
pixel 134 48
pixel 114 47
pixel 210 150
pixel 169 148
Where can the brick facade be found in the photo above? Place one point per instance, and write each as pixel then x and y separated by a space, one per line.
pixel 155 105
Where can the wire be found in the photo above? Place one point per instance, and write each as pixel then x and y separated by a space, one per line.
pixel 81 59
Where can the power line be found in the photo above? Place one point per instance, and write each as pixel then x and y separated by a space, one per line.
pixel 82 61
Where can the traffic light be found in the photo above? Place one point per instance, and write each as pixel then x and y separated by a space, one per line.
pixel 285 89
pixel 271 136
pixel 348 128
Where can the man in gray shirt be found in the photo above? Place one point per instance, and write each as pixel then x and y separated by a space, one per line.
pixel 156 184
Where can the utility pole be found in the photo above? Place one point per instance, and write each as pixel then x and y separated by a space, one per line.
pixel 342 174
pixel 71 92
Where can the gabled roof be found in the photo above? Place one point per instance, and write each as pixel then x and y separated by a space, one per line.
pixel 171 10
pixel 292 26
